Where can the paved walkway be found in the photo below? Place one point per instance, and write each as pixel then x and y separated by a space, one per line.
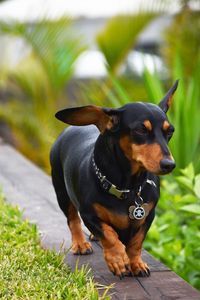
pixel 27 186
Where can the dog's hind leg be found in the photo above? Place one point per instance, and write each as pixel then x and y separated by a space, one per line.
pixel 79 243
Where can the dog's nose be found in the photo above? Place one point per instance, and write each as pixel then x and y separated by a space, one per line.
pixel 167 165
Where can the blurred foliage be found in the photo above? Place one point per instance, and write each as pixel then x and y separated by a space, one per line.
pixel 53 44
pixel 174 235
pixel 183 36
pixel 39 82
pixel 188 2
pixel 119 36
pixel 111 92
pixel 184 113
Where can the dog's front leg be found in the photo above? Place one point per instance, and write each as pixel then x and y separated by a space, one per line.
pixel 134 250
pixel 114 252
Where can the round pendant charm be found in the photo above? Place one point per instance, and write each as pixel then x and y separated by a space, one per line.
pixel 139 213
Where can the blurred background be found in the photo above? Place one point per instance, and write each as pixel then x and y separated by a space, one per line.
pixel 55 54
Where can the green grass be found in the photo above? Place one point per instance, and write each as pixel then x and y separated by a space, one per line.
pixel 30 272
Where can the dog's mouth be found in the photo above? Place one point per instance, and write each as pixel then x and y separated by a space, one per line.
pixel 162 173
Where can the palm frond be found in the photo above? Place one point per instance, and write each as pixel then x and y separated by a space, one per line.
pixel 39 80
pixel 54 45
pixel 120 35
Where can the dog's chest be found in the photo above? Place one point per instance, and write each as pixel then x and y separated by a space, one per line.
pixel 122 218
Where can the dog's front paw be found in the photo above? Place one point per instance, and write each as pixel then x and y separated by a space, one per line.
pixel 140 268
pixel 81 248
pixel 117 261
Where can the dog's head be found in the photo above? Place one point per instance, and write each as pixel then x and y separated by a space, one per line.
pixel 143 130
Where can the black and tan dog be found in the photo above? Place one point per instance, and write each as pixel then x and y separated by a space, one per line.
pixel 109 174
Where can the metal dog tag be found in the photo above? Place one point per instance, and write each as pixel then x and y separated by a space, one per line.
pixel 138 212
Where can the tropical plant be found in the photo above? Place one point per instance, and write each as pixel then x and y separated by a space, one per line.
pixel 176 229
pixel 38 84
pixel 119 36
pixel 113 91
pixel 53 44
pixel 182 36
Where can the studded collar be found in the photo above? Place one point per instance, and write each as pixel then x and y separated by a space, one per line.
pixel 121 194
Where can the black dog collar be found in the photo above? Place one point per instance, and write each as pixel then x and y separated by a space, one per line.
pixel 139 210
pixel 112 189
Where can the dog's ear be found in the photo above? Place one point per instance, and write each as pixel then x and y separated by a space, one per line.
pixel 103 118
pixel 167 100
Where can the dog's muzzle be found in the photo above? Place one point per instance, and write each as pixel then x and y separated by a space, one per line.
pixel 167 165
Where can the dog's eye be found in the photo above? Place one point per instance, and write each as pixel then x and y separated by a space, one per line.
pixel 142 130
pixel 169 133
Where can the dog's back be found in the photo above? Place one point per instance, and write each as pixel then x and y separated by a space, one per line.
pixel 70 154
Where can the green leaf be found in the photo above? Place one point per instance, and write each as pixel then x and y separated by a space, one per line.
pixel 153 86
pixel 185 182
pixel 121 92
pixel 53 44
pixel 189 171
pixel 119 36
pixel 197 186
pixel 192 208
pixel 187 199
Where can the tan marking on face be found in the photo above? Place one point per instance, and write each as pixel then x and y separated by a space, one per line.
pixel 126 147
pixel 166 125
pixel 146 156
pixel 118 220
pixel 148 125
